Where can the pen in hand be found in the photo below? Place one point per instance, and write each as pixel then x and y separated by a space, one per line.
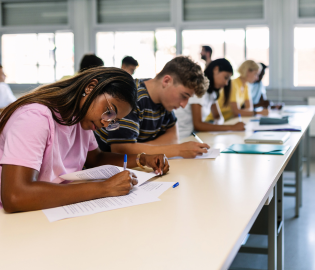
pixel 196 137
pixel 240 117
pixel 125 162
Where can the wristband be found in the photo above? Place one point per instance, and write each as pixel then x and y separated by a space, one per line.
pixel 138 160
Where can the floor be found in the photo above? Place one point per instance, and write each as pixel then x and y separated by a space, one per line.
pixel 299 233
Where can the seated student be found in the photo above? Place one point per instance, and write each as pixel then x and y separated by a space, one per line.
pixel 87 61
pixel 6 95
pixel 151 128
pixel 129 64
pixel 258 92
pixel 240 95
pixel 192 117
pixel 48 133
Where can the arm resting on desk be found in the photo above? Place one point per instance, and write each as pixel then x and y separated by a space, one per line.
pixel 199 125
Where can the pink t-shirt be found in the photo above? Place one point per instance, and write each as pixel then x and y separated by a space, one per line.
pixel 32 138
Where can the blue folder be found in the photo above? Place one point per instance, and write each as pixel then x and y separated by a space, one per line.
pixel 267 149
pixel 274 121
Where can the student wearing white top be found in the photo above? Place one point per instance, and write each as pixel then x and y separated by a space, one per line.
pixel 6 95
pixel 192 117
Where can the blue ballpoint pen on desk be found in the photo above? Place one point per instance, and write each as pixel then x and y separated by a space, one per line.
pixel 175 185
pixel 125 162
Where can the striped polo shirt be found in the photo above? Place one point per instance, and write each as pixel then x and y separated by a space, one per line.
pixel 147 122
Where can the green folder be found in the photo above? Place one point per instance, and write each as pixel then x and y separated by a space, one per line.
pixel 267 149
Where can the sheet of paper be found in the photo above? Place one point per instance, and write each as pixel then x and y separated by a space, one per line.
pixel 105 172
pixel 156 189
pixel 137 196
pixel 212 153
pixel 276 127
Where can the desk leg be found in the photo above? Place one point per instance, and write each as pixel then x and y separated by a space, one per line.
pixel 280 224
pixel 272 232
pixel 308 151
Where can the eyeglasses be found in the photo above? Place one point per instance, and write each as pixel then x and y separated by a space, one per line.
pixel 110 116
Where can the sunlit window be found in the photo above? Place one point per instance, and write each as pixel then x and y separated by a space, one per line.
pixel 37 58
pixel 233 44
pixel 257 47
pixel 152 49
pixel 304 56
pixel 234 48
pixel 194 39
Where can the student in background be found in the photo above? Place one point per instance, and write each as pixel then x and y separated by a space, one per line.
pixel 129 64
pixel 48 132
pixel 151 128
pixel 206 54
pixel 192 117
pixel 87 61
pixel 6 95
pixel 240 96
pixel 258 92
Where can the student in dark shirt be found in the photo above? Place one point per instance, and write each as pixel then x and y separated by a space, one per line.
pixel 151 128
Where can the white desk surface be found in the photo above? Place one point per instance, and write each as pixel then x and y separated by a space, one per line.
pixel 198 225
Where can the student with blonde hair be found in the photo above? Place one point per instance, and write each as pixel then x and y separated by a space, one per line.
pixel 240 102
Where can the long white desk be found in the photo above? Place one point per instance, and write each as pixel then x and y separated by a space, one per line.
pixel 198 225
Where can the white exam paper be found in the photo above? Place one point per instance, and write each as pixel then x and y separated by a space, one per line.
pixel 105 172
pixel 135 197
pixel 212 153
pixel 156 189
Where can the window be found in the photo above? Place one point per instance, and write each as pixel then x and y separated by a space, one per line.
pixel 152 49
pixel 257 47
pixel 37 58
pixel 235 45
pixel 194 39
pixel 304 56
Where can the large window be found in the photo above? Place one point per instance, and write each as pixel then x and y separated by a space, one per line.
pixel 37 58
pixel 236 45
pixel 304 56
pixel 152 49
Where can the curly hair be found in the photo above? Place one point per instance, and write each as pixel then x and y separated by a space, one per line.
pixel 186 72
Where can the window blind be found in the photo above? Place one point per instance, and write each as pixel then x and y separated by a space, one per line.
pixel 34 13
pixel 129 11
pixel 208 10
pixel 306 8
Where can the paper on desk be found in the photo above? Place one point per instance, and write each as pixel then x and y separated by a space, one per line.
pixel 212 153
pixel 105 172
pixel 156 189
pixel 135 197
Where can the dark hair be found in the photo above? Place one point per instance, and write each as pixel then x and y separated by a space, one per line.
pixel 130 61
pixel 186 72
pixel 207 49
pixel 89 61
pixel 223 65
pixel 64 96
pixel 263 66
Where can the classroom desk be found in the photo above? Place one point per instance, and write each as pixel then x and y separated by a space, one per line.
pixel 198 225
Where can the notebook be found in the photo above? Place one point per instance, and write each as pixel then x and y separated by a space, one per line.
pixel 268 137
pixel 267 149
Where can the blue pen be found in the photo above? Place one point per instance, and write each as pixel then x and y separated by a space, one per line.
pixel 175 185
pixel 240 117
pixel 125 162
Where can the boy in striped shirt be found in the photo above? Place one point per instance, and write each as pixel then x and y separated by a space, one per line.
pixel 151 127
